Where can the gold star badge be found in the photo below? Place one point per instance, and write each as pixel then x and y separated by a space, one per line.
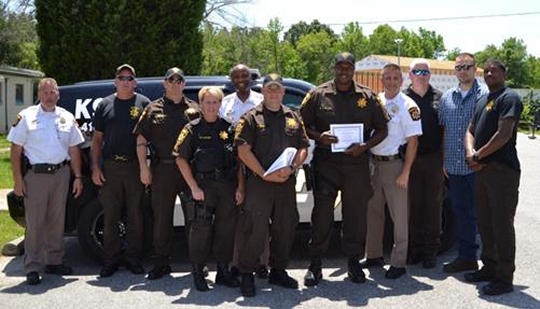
pixel 223 135
pixel 362 102
pixel 489 106
pixel 292 124
pixel 134 112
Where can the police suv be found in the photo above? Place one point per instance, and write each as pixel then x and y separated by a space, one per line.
pixel 84 215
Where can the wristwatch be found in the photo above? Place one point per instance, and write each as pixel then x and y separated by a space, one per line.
pixel 475 157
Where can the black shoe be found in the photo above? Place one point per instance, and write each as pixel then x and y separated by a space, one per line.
pixel 247 287
pixel 497 288
pixel 395 272
pixel 355 272
pixel 32 278
pixel 158 271
pixel 313 276
pixel 429 262
pixel 59 269
pixel 372 262
pixel 281 278
pixel 108 270
pixel 198 278
pixel 135 268
pixel 479 276
pixel 262 272
pixel 460 265
pixel 224 276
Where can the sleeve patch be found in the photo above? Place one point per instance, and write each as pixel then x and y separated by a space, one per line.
pixel 415 113
pixel 16 122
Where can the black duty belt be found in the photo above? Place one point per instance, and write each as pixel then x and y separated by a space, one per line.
pixel 217 175
pixel 46 168
pixel 120 158
pixel 166 161
pixel 386 158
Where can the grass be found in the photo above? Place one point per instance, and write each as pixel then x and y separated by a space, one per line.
pixel 9 229
pixel 6 178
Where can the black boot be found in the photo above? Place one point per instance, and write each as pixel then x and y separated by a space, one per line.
pixel 248 285
pixel 355 272
pixel 198 278
pixel 224 276
pixel 314 272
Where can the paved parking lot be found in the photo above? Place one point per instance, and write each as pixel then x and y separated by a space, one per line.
pixel 421 288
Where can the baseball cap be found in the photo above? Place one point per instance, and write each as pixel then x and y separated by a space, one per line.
pixel 272 79
pixel 345 57
pixel 125 66
pixel 174 71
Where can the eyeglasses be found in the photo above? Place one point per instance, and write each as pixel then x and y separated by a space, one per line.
pixel 124 78
pixel 175 80
pixel 463 67
pixel 421 72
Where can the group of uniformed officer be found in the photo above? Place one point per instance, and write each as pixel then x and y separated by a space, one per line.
pixel 219 166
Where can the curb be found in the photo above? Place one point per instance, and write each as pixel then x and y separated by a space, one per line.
pixel 14 247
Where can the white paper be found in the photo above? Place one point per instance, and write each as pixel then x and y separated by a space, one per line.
pixel 285 159
pixel 347 135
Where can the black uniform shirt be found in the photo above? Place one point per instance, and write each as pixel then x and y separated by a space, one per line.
pixel 212 142
pixel 162 122
pixel 116 119
pixel 269 133
pixel 432 132
pixel 326 105
pixel 489 110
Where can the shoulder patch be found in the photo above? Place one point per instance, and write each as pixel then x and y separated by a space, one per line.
pixel 239 127
pixel 306 98
pixel 181 137
pixel 192 113
pixel 16 122
pixel 415 113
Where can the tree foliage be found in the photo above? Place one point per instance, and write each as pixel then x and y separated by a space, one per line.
pixel 300 29
pixel 83 40
pixel 18 38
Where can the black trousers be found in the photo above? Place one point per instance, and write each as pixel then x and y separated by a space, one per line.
pixel 354 182
pixel 122 188
pixel 497 190
pixel 167 183
pixel 264 202
pixel 425 196
pixel 215 235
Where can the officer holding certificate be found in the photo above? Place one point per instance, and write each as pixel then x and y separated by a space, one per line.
pixel 341 101
pixel 261 136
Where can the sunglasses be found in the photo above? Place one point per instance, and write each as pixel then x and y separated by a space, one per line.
pixel 175 80
pixel 125 78
pixel 421 72
pixel 463 67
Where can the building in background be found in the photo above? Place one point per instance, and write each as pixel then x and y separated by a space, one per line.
pixel 368 72
pixel 17 91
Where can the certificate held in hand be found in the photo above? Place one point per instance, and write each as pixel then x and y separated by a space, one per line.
pixel 347 134
pixel 285 159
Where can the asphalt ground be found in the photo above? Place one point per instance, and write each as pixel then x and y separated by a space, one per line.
pixel 420 288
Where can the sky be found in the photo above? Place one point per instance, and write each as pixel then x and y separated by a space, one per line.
pixel 470 34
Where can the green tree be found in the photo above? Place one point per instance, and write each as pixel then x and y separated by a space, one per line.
pixel 513 53
pixel 300 29
pixel 352 39
pixel 316 51
pixel 382 40
pixel 82 40
pixel 18 38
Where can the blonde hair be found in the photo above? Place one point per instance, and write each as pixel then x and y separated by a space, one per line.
pixel 212 90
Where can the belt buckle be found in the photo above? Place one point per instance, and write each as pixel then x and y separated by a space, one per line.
pixel 118 158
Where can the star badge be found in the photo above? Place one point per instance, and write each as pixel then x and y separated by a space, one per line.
pixel 223 135
pixel 489 106
pixel 134 112
pixel 362 102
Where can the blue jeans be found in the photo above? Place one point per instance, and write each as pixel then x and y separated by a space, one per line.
pixel 462 195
